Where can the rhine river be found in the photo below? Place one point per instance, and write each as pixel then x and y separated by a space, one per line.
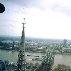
pixel 12 56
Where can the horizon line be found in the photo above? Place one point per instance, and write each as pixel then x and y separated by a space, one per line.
pixel 35 37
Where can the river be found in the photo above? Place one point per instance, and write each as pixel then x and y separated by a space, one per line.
pixel 12 56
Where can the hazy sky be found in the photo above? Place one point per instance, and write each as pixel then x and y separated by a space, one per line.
pixel 44 18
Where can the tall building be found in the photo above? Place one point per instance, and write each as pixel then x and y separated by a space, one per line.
pixel 65 43
pixel 21 63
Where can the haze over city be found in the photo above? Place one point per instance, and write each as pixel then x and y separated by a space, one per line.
pixel 44 18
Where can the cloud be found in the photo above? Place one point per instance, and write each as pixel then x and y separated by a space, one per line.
pixel 24 3
pixel 48 23
pixel 44 18
pixel 62 9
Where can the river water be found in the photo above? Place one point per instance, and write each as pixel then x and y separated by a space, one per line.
pixel 12 56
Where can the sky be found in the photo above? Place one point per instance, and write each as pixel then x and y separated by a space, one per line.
pixel 44 18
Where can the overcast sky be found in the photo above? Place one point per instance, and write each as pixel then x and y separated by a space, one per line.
pixel 44 18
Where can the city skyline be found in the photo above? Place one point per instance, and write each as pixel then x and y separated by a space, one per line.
pixel 44 18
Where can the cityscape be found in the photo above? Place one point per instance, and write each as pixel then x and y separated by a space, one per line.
pixel 34 54
pixel 35 35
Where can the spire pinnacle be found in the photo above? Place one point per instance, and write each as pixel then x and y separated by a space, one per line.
pixel 23 21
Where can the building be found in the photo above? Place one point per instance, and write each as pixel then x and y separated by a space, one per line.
pixel 65 43
pixel 21 63
pixel 66 50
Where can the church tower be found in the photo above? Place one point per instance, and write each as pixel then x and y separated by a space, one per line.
pixel 21 63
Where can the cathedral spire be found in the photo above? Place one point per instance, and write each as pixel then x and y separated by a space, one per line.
pixel 23 36
pixel 21 63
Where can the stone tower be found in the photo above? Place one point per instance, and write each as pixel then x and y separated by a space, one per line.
pixel 21 63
